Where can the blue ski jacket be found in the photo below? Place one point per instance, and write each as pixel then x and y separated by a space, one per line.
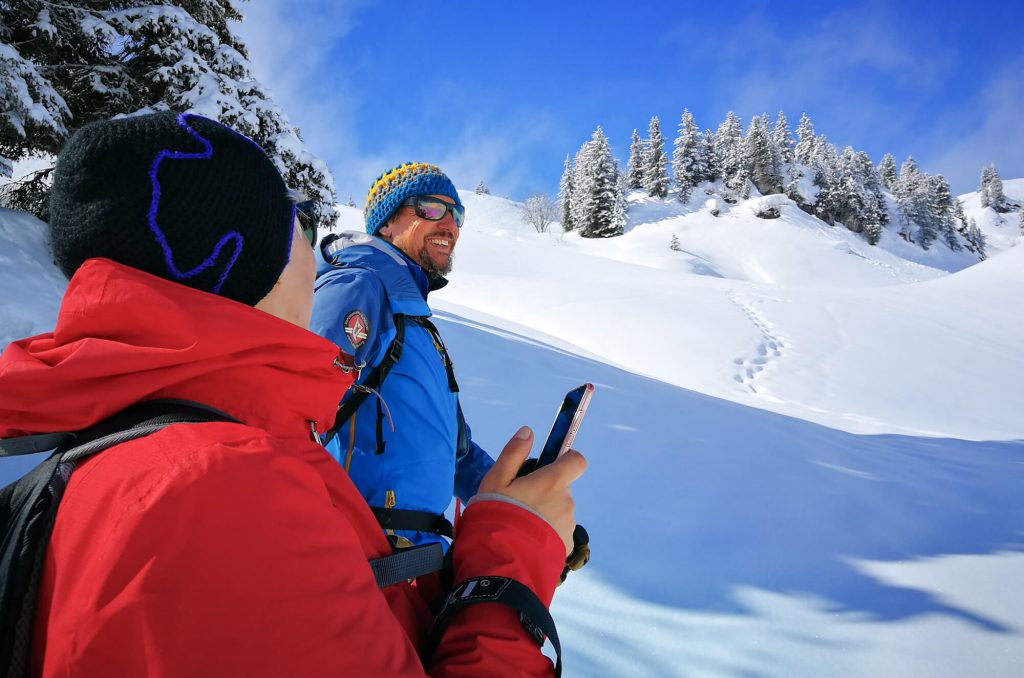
pixel 429 457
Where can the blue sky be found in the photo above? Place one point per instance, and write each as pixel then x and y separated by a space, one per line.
pixel 500 92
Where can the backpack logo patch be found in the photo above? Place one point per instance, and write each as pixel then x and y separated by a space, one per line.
pixel 357 328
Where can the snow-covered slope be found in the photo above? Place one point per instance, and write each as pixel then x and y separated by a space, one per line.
pixel 1001 231
pixel 806 453
pixel 789 314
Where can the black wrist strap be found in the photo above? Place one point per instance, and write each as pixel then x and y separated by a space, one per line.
pixel 533 614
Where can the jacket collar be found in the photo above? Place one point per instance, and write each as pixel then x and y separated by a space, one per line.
pixel 123 336
pixel 406 283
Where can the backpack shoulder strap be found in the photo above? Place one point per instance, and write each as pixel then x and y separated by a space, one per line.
pixel 28 509
pixel 373 381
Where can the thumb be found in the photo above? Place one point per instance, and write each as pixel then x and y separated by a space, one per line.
pixel 511 458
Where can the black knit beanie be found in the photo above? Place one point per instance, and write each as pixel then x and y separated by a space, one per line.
pixel 179 196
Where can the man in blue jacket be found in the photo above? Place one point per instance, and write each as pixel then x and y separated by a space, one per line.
pixel 402 438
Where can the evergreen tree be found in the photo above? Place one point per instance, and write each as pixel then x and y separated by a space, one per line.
pixel 977 239
pixel 635 165
pixel 481 189
pixel 912 202
pixel 729 152
pixel 565 196
pixel 828 177
pixel 941 211
pixel 108 57
pixel 983 191
pixel 887 171
pixel 674 244
pixel 876 215
pixel 688 157
pixel 803 153
pixel 351 202
pixel 599 208
pixel 991 190
pixel 709 157
pixel 782 138
pixel 762 157
pixel 655 177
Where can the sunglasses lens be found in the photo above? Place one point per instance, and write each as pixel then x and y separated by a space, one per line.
pixel 431 209
pixel 306 214
pixel 459 215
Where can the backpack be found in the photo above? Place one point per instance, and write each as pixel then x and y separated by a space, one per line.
pixel 28 509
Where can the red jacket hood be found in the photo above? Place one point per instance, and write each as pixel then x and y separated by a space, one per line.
pixel 123 335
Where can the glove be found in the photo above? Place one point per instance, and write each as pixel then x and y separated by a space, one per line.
pixel 580 555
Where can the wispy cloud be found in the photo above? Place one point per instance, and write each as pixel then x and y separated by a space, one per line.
pixel 992 131
pixel 292 49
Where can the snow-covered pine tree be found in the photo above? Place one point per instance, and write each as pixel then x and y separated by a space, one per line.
pixel 351 202
pixel 762 158
pixel 941 212
pixel 674 244
pixel 991 190
pixel 709 157
pixel 853 201
pixel 565 197
pixel 912 200
pixel 687 157
pixel 876 215
pixel 729 152
pixel 963 226
pixel 599 208
pixel 782 138
pixel 655 177
pixel 635 165
pixel 55 76
pixel 828 177
pixel 887 172
pixel 106 58
pixel 977 239
pixel 983 192
pixel 481 189
pixel 803 153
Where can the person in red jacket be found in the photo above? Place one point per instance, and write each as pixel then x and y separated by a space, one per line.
pixel 233 548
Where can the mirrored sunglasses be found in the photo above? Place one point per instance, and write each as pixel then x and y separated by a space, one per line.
pixel 306 213
pixel 434 209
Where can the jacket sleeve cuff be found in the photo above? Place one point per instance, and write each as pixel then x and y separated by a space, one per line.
pixel 500 537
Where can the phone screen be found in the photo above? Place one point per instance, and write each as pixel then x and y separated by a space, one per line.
pixel 567 423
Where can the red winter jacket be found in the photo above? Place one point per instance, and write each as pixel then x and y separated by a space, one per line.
pixel 232 549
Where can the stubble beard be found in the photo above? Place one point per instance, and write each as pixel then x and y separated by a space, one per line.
pixel 430 267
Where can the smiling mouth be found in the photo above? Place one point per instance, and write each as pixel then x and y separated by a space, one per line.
pixel 443 243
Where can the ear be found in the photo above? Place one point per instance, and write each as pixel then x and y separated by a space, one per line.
pixel 385 230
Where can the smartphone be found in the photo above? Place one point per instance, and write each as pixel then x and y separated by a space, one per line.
pixel 567 423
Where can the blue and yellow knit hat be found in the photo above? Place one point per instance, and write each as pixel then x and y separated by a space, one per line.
pixel 392 188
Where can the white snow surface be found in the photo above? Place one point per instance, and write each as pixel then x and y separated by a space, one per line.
pixel 806 453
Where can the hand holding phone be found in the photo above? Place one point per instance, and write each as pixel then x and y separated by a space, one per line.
pixel 567 424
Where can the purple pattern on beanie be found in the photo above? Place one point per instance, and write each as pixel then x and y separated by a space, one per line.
pixel 161 238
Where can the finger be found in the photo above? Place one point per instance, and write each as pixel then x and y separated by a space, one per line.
pixel 512 457
pixel 570 466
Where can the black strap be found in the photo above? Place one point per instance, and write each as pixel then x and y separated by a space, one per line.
pixel 446 359
pixel 371 384
pixel 533 614
pixel 407 564
pixel 413 521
